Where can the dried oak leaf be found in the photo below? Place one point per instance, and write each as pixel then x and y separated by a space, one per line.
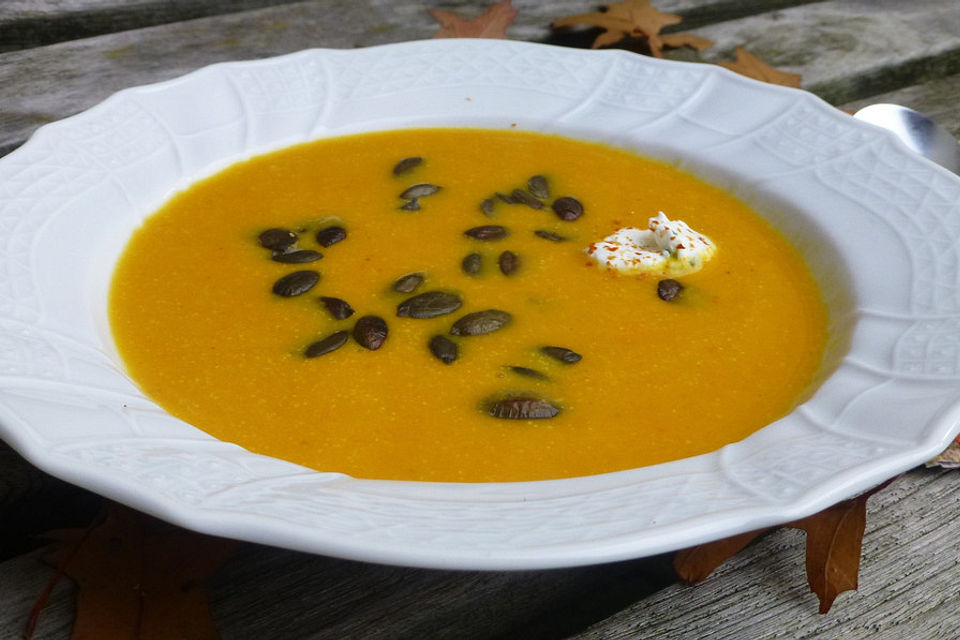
pixel 834 539
pixel 492 23
pixel 137 578
pixel 635 18
pixel 751 66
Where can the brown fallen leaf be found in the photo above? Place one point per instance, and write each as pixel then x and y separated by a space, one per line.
pixel 949 458
pixel 492 23
pixel 834 540
pixel 634 18
pixel 677 40
pixel 751 66
pixel 137 578
pixel 694 564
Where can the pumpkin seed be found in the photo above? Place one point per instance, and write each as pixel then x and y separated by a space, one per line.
pixel 528 372
pixel 562 354
pixel 480 322
pixel 297 257
pixel 505 198
pixel 522 408
pixel 331 236
pixel 407 283
pixel 487 232
pixel 523 197
pixel 444 349
pixel 296 283
pixel 277 239
pixel 567 208
pixel 419 191
pixel 370 332
pixel 669 289
pixel 550 235
pixel 509 263
pixel 486 207
pixel 339 309
pixel 537 185
pixel 331 343
pixel 410 205
pixel 407 164
pixel 429 305
pixel 472 264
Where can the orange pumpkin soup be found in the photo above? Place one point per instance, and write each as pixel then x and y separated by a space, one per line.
pixel 213 326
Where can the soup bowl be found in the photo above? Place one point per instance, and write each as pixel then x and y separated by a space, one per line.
pixel 877 225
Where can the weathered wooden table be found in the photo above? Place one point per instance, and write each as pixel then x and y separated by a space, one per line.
pixel 58 57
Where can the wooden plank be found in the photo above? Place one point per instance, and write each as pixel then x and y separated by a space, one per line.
pixel 850 49
pixel 272 593
pixel 49 83
pixel 908 581
pixel 938 98
pixel 22 580
pixel 27 23
pixel 907 590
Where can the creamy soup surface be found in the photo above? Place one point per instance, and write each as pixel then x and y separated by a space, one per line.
pixel 202 332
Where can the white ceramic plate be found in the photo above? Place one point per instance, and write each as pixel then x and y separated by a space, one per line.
pixel 878 225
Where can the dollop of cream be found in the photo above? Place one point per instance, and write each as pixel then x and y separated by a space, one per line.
pixel 665 247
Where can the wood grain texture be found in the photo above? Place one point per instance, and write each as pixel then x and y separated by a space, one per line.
pixel 907 590
pixel 850 49
pixel 272 593
pixel 939 98
pixel 854 43
pixel 908 581
pixel 26 23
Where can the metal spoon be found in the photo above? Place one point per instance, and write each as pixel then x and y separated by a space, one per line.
pixel 917 131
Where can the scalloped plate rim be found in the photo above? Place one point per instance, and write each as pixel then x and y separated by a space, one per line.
pixel 654 539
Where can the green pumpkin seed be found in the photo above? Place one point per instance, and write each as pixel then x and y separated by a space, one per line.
pixel 444 349
pixel 419 191
pixel 509 262
pixel 408 283
pixel 331 236
pixel 537 185
pixel 370 332
pixel 487 232
pixel 297 257
pixel 277 239
pixel 567 208
pixel 522 408
pixel 669 289
pixel 406 165
pixel 562 354
pixel 296 283
pixel 429 305
pixel 480 322
pixel 411 205
pixel 523 197
pixel 472 264
pixel 331 343
pixel 505 198
pixel 549 235
pixel 527 372
pixel 339 309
